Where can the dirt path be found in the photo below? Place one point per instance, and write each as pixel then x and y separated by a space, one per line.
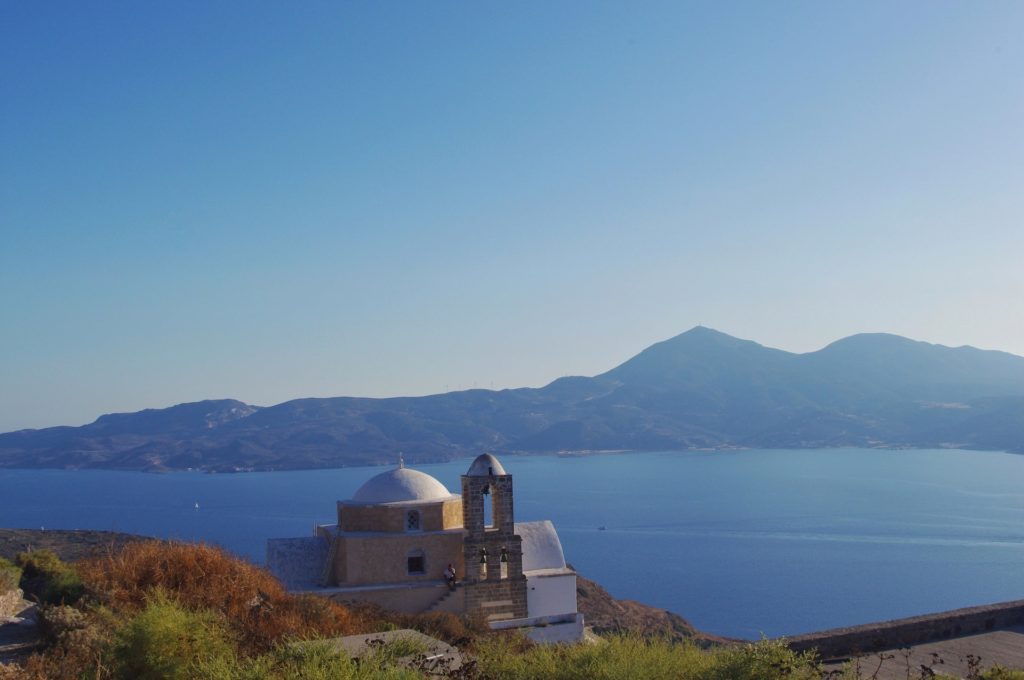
pixel 19 634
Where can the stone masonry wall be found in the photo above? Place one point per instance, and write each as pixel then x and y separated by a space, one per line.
pixel 498 600
pixel 493 597
pixel 873 637
pixel 372 559
pixel 413 600
pixel 392 518
pixel 371 518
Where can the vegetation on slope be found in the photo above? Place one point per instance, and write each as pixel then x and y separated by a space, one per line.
pixel 70 545
pixel 154 610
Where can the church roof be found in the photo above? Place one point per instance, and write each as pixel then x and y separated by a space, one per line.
pixel 541 547
pixel 485 465
pixel 401 485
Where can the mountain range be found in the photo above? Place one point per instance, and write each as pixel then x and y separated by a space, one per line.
pixel 699 390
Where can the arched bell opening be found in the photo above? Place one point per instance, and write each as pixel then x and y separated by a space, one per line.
pixel 489 501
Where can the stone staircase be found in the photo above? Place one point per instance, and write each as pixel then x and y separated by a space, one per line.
pixel 439 602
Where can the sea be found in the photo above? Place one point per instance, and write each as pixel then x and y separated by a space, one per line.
pixel 741 543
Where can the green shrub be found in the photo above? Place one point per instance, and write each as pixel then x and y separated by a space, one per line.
pixel 166 642
pixel 400 647
pixel 77 644
pixel 309 661
pixel 10 575
pixel 634 657
pixel 39 562
pixel 56 621
pixel 46 578
pixel 764 660
pixel 1002 673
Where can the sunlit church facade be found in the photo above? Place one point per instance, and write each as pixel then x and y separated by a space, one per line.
pixel 396 536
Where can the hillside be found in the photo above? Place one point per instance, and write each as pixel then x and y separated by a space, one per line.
pixel 700 389
pixel 68 544
pixel 604 613
pixel 608 615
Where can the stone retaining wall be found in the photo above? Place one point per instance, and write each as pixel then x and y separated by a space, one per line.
pixel 873 637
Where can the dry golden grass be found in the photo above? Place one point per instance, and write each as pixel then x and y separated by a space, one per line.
pixel 199 576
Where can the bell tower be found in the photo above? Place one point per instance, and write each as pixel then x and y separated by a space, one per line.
pixel 495 584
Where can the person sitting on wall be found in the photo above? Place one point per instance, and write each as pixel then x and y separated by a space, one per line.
pixel 449 576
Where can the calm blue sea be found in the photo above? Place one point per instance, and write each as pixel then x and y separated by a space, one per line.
pixel 739 543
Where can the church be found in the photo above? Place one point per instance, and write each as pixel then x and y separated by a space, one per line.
pixel 397 535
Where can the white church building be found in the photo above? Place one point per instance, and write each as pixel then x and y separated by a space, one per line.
pixel 396 536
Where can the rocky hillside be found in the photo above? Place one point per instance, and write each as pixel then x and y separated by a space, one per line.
pixel 605 614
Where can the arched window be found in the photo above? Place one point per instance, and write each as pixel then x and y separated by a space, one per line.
pixel 412 520
pixel 417 562
pixel 488 508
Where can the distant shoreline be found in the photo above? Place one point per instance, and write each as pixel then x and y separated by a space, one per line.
pixel 583 453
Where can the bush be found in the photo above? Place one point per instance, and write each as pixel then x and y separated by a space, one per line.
pixel 49 580
pixel 39 563
pixel 630 656
pixel 78 642
pixel 307 661
pixel 203 577
pixel 1002 673
pixel 56 621
pixel 767 660
pixel 10 575
pixel 453 629
pixel 166 642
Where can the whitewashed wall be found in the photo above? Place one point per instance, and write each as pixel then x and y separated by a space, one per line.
pixel 550 595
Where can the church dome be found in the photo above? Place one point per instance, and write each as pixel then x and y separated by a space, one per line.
pixel 485 465
pixel 401 485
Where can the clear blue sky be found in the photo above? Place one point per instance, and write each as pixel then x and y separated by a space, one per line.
pixel 275 200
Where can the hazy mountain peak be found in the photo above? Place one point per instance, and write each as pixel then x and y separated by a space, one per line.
pixel 700 389
pixel 704 334
pixel 698 338
pixel 693 357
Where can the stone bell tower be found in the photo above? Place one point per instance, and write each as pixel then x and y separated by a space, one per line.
pixel 495 585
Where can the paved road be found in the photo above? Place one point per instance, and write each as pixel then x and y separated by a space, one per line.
pixel 947 657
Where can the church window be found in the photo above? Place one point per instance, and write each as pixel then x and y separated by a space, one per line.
pixel 412 520
pixel 417 562
pixel 488 508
